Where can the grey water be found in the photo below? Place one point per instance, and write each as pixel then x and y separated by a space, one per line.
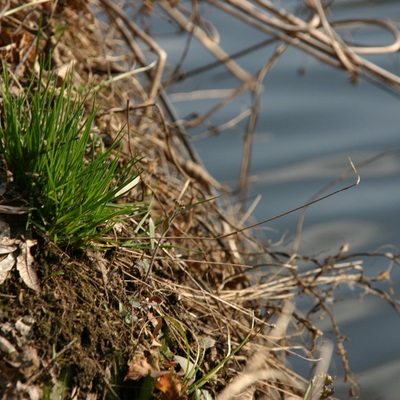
pixel 312 120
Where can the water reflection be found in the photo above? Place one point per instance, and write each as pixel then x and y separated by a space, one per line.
pixel 308 127
pixel 329 167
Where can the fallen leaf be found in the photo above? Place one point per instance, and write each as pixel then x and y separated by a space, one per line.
pixel 8 245
pixel 153 320
pixel 206 342
pixel 24 328
pixel 24 265
pixel 5 266
pixel 28 391
pixel 171 386
pixel 6 347
pixel 138 369
pixel 100 263
pixel 188 368
pixel 27 361
pixel 5 231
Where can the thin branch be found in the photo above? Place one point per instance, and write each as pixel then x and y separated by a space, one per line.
pixel 235 232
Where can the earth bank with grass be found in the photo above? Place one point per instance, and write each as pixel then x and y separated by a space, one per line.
pixel 110 301
pixel 124 271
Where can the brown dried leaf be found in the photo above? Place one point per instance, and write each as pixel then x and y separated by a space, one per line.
pixel 171 386
pixel 6 347
pixel 4 230
pixel 27 361
pixel 24 265
pixel 8 245
pixel 100 263
pixel 28 391
pixel 5 266
pixel 138 369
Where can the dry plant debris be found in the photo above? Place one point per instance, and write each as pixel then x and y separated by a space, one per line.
pixel 18 253
pixel 132 320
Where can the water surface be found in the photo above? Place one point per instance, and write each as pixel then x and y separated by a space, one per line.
pixel 309 125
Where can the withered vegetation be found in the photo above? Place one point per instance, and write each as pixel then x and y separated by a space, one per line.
pixel 112 322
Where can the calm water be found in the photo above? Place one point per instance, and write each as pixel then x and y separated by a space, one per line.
pixel 308 127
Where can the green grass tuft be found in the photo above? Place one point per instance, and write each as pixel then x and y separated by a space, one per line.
pixel 71 185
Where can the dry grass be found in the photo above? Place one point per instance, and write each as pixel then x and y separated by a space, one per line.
pixel 196 273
